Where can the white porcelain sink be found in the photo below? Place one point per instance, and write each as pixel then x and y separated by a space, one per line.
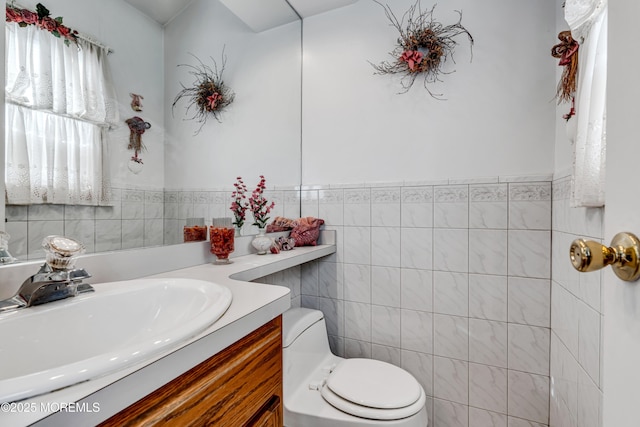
pixel 54 345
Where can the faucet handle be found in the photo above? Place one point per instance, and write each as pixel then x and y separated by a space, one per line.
pixel 62 251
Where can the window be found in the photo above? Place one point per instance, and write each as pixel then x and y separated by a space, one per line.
pixel 60 103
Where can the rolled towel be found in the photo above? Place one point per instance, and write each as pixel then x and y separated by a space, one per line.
pixel 307 231
pixel 280 224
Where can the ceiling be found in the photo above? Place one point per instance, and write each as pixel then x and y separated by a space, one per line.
pixel 160 10
pixel 263 15
pixel 259 15
pixel 307 8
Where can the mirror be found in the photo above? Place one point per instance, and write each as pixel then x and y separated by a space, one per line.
pixel 185 173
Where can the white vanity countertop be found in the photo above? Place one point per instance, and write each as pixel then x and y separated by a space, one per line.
pixel 253 305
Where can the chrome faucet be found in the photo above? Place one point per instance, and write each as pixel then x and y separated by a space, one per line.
pixel 56 279
pixel 48 285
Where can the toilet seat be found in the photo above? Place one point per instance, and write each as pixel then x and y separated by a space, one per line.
pixel 373 389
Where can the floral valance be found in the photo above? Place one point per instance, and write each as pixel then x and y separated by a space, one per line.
pixel 42 19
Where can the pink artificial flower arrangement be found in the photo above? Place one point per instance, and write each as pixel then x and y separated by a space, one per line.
pixel 239 204
pixel 42 19
pixel 260 207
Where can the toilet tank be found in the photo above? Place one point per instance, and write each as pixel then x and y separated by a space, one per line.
pixel 304 329
pixel 305 345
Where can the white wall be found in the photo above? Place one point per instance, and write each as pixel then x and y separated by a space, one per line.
pixel 563 146
pixel 497 120
pixel 136 66
pixel 260 130
pixel 451 282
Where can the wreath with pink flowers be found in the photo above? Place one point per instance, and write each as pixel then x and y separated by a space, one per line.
pixel 423 46
pixel 208 95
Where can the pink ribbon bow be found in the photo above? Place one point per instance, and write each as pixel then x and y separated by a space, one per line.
pixel 411 57
pixel 213 100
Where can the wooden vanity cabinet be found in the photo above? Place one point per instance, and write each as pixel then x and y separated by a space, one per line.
pixel 240 386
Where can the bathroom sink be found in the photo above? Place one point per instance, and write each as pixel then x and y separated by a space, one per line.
pixel 55 345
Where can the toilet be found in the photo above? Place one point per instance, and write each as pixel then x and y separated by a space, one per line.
pixel 324 390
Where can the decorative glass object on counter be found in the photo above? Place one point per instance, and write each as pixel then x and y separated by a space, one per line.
pixel 221 235
pixel 5 256
pixel 261 242
pixel 195 230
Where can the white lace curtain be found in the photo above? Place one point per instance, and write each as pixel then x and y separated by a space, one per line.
pixel 59 104
pixel 587 20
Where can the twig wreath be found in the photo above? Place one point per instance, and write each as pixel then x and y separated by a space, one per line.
pixel 423 46
pixel 208 93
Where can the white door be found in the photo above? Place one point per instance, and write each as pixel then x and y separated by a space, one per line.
pixel 621 332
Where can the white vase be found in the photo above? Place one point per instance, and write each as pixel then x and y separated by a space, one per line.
pixel 261 242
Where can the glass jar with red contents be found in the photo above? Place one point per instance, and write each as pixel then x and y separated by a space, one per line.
pixel 195 230
pixel 221 236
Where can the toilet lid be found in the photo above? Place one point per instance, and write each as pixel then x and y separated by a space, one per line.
pixel 373 389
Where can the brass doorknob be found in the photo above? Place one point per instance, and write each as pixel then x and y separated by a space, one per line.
pixel 623 256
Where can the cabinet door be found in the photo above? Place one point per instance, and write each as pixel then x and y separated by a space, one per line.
pixel 240 384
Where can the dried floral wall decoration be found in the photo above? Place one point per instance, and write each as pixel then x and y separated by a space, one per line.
pixel 137 126
pixel 208 95
pixel 567 52
pixel 136 101
pixel 42 19
pixel 423 46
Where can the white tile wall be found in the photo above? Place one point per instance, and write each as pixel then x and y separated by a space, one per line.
pixel 481 418
pixel 290 278
pixel 451 282
pixel 488 387
pixel 528 396
pixel 488 342
pixel 135 220
pixel 496 337
pixel 138 218
pixel 576 318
